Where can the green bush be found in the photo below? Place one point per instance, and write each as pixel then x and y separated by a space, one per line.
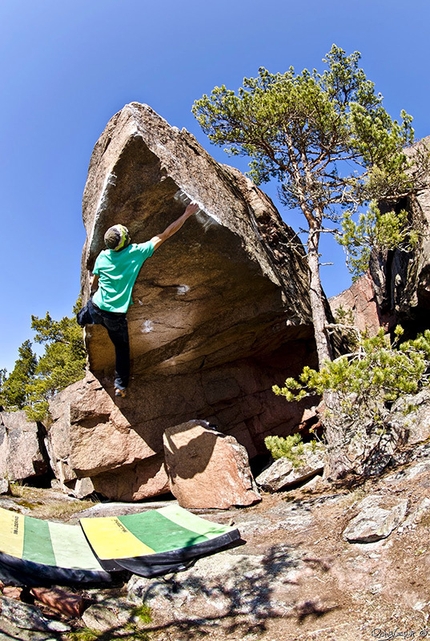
pixel 290 447
pixel 369 380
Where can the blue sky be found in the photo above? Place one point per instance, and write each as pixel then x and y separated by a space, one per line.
pixel 66 66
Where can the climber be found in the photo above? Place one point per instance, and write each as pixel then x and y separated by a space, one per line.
pixel 114 274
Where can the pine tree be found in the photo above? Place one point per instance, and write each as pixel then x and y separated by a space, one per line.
pixel 62 362
pixel 368 381
pixel 328 141
pixel 14 388
pixel 34 381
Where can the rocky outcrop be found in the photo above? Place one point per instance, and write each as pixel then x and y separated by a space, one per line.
pixel 207 469
pixel 221 311
pixel 22 451
pixel 358 306
pixel 396 289
pixel 402 278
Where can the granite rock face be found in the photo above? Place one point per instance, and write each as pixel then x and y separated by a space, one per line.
pixel 360 303
pixel 22 449
pixel 221 311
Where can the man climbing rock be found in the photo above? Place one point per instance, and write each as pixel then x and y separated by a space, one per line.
pixel 114 274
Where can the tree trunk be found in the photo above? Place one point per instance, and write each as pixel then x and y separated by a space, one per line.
pixel 316 296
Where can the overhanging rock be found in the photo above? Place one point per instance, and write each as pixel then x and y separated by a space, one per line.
pixel 221 311
pixel 232 283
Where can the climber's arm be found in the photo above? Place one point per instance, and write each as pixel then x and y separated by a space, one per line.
pixel 175 226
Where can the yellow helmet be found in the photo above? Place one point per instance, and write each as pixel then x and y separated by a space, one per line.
pixel 117 237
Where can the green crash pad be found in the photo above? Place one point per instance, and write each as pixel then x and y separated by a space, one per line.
pixel 100 550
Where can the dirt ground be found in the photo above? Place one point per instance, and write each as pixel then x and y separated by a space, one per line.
pixel 296 577
pixel 317 585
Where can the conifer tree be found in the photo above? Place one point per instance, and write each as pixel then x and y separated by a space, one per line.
pixel 328 141
pixel 35 380
pixel 14 388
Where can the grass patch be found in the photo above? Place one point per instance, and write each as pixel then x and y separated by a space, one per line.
pixel 84 634
pixel 87 634
pixel 142 613
pixel 47 504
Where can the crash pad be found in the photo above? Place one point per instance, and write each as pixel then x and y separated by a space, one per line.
pixel 156 541
pixel 101 549
pixel 38 552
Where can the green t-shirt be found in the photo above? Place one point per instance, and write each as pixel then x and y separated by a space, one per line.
pixel 117 272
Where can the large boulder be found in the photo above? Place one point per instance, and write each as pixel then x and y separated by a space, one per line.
pixel 221 311
pixel 232 283
pixel 90 439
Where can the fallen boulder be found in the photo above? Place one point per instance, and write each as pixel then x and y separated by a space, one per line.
pixel 207 469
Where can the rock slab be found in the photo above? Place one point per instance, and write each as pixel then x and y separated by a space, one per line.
pixel 375 521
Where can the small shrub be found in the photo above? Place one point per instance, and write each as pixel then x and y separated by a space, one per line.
pixel 358 391
pixel 290 447
pixel 371 379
